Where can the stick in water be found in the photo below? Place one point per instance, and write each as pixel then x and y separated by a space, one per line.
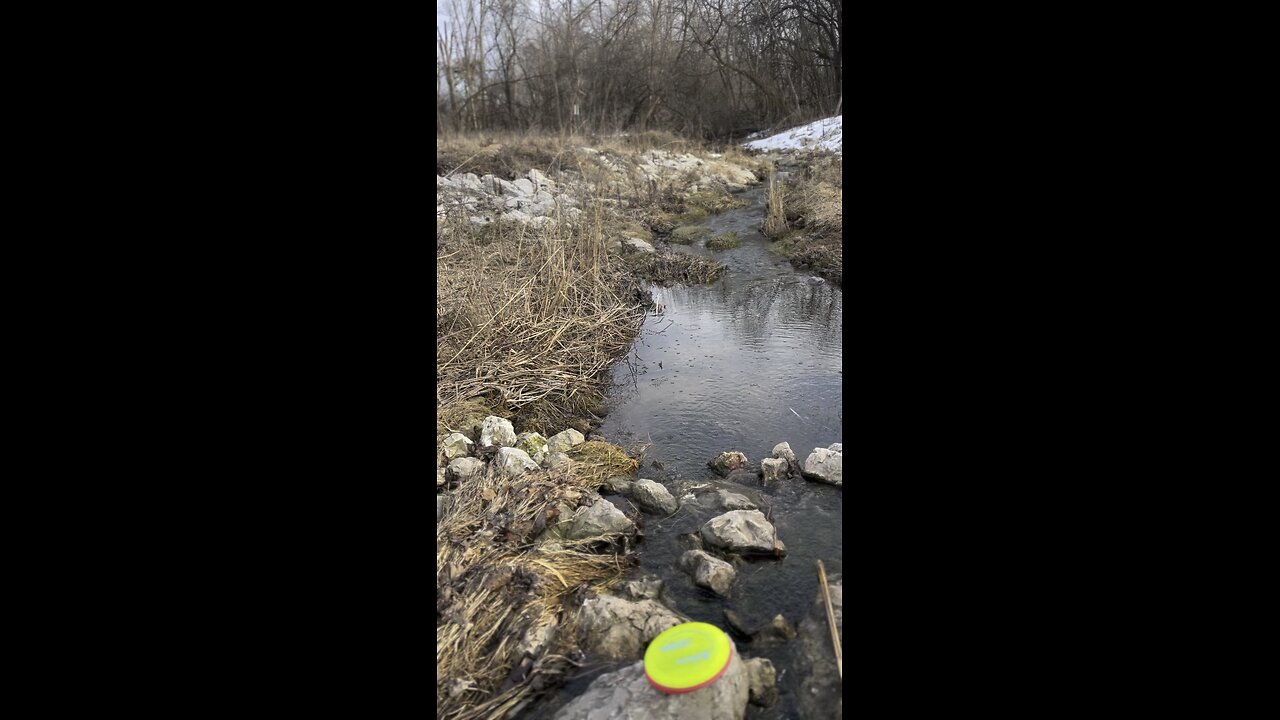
pixel 831 619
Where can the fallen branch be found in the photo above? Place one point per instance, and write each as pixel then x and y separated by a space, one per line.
pixel 831 618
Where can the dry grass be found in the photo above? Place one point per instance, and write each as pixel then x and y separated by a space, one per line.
pixel 496 589
pixel 775 221
pixel 527 318
pixel 816 197
pixel 677 268
pixel 805 215
pixel 724 241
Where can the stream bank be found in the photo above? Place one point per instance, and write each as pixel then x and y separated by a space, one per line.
pixel 742 364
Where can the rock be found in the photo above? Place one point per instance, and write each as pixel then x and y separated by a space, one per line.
pixel 779 628
pixel 534 445
pixel 736 622
pixel 471 181
pixel 517 216
pixel 523 186
pixel 652 496
pixel 541 222
pixel 637 245
pixel 709 572
pixel 836 447
pixel 820 690
pixel 621 629
pixel 457 445
pixel 743 476
pixel 441 505
pixel 619 484
pixel 762 682
pixel 774 468
pixel 465 469
pixel 564 440
pixel 783 450
pixel 734 501
pixel 626 694
pixel 645 588
pixel 440 479
pixel 537 638
pixel 823 465
pixel 602 518
pixel 514 462
pixel 497 431
pixel 556 459
pixel 727 462
pixel 743 531
pixel 504 187
pixel 538 179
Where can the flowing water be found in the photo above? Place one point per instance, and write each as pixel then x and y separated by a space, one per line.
pixel 744 363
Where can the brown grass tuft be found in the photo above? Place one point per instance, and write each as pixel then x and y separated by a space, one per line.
pixel 496 587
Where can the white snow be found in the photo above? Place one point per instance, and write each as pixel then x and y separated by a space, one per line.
pixel 821 134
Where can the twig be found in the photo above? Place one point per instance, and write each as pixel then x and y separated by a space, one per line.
pixel 831 619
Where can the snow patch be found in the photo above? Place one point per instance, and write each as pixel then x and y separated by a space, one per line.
pixel 824 134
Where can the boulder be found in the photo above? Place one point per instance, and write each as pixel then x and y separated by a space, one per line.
pixel 565 440
pixel 465 469
pixel 514 462
pixel 779 628
pixel 762 682
pixel 556 459
pixel 823 465
pixel 636 245
pixel 734 501
pixel 621 629
pixel 534 445
pixel 708 571
pixel 539 180
pixel 645 588
pixel 836 447
pixel 626 694
pixel 602 518
pixel 524 186
pixel 457 445
pixel 820 690
pixel 727 462
pixel 743 531
pixel 538 637
pixel 652 496
pixel 440 480
pixel 774 468
pixel 497 431
pixel 783 450
pixel 618 484
pixel 471 181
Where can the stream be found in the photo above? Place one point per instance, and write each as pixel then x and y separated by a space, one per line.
pixel 744 363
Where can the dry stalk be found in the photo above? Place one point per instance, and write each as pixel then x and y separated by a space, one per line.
pixel 831 619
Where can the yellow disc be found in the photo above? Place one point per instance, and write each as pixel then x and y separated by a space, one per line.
pixel 687 657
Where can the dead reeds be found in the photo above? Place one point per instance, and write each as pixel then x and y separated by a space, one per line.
pixel 530 321
pixel 775 221
pixel 678 268
pixel 503 629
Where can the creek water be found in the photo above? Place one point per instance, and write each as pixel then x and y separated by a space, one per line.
pixel 744 363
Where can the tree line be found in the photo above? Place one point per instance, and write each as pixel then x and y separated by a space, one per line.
pixel 710 68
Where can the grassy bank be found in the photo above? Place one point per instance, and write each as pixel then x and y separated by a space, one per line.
pixel 805 217
pixel 530 317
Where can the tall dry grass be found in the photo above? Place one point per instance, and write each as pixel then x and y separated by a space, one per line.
pixel 529 321
pixel 775 219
